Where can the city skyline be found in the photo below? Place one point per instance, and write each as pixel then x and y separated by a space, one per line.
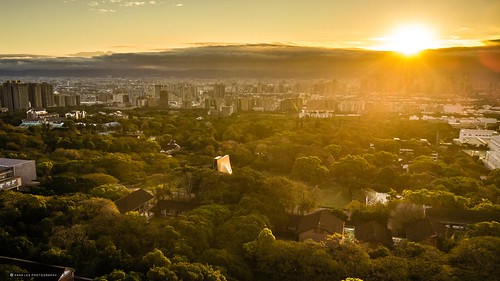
pixel 61 28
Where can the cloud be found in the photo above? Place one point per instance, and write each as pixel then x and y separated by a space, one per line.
pixel 134 4
pixel 93 4
pixel 493 42
pixel 179 5
pixel 103 11
pixel 249 60
pixel 152 2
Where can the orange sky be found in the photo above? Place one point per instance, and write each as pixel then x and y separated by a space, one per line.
pixel 63 27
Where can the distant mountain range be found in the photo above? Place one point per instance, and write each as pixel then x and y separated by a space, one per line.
pixel 260 61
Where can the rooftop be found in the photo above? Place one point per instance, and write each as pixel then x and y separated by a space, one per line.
pixel 133 200
pixel 10 162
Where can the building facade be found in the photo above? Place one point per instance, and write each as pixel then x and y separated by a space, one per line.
pixel 17 173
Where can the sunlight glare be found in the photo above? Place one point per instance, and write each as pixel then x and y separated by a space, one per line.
pixel 410 40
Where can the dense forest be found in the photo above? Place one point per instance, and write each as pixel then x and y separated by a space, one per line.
pixel 282 166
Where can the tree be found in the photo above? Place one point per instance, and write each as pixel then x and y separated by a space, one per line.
pixel 293 196
pixel 288 260
pixel 156 258
pixel 239 230
pixel 387 145
pixel 351 167
pixel 423 164
pixel 436 198
pixel 157 273
pixel 309 169
pixel 197 272
pixel 234 264
pixel 403 213
pixel 476 258
pixel 389 268
pixel 486 228
pixel 44 169
pixel 109 191
pixel 89 181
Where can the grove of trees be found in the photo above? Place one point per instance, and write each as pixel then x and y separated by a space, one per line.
pixel 281 165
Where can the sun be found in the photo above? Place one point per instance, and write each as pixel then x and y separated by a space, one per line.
pixel 410 40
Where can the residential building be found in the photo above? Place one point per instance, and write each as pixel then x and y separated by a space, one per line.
pixel 140 201
pixel 76 114
pixel 374 234
pixel 319 225
pixel 16 95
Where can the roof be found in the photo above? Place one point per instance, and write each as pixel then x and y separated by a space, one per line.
pixel 133 201
pixel 323 219
pixel 373 231
pixel 419 229
pixel 10 162
pixel 461 215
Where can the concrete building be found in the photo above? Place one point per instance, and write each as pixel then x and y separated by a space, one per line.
pixel 219 91
pixel 15 95
pixel 475 137
pixel 17 173
pixel 162 92
pixel 492 159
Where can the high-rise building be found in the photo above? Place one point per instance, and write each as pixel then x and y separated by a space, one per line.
pixel 47 91
pixel 35 95
pixel 15 95
pixel 1 95
pixel 219 91
pixel 161 91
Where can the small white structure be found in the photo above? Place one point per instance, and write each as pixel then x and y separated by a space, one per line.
pixel 222 164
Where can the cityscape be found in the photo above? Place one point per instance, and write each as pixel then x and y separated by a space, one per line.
pixel 250 140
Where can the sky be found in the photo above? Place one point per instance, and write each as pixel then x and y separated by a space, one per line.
pixel 68 27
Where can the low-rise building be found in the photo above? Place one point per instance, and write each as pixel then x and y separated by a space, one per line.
pixel 17 174
pixel 139 201
pixel 319 225
pixel 475 137
pixel 492 159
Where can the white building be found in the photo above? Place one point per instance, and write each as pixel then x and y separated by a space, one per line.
pixel 475 137
pixel 492 159
pixel 452 108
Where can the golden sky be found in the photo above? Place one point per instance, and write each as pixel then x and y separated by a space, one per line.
pixel 64 27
